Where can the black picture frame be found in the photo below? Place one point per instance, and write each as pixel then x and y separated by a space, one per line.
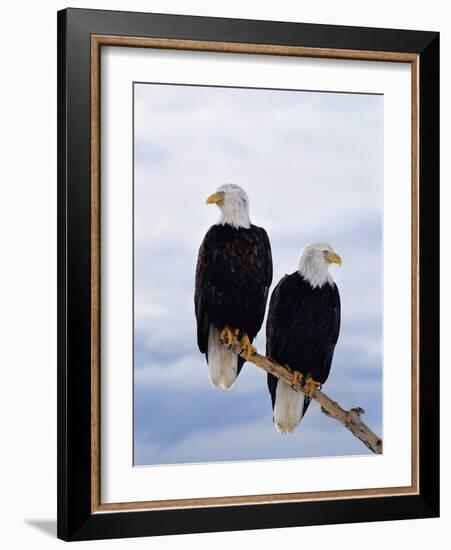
pixel 76 520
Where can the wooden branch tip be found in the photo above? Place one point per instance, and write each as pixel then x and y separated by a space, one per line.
pixel 349 419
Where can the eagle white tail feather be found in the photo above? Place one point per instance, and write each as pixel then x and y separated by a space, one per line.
pixel 222 363
pixel 288 408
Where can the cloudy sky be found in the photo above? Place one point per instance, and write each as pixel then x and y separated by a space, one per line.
pixel 312 165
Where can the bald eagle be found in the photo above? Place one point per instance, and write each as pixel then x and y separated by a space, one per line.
pixel 233 276
pixel 301 332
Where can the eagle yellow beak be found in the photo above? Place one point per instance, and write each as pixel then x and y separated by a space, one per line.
pixel 332 258
pixel 216 198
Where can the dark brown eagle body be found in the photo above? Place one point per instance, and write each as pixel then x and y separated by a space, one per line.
pixel 233 276
pixel 302 328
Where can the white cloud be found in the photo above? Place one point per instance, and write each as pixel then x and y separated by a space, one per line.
pixel 190 372
pixel 255 440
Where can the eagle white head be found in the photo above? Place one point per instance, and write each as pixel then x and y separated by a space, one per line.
pixel 314 264
pixel 233 202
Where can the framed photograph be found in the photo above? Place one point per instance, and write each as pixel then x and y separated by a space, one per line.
pixel 248 274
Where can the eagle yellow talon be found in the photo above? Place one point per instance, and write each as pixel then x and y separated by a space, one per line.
pixel 247 349
pixel 310 385
pixel 226 335
pixel 297 378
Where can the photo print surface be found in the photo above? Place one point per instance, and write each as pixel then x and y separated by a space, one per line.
pixel 307 168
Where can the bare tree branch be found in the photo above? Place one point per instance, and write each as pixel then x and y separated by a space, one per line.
pixel 350 419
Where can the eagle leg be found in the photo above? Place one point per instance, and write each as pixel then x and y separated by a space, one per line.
pixel 226 335
pixel 297 378
pixel 310 385
pixel 247 349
